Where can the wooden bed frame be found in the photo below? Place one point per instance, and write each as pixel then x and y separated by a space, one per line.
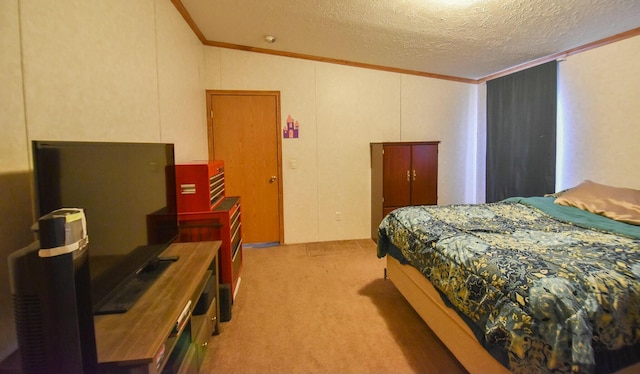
pixel 446 323
pixel 443 321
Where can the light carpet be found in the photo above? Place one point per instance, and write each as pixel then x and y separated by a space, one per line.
pixel 323 308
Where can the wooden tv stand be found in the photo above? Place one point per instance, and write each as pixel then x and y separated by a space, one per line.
pixel 146 339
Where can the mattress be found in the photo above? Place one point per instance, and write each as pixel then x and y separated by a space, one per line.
pixel 546 287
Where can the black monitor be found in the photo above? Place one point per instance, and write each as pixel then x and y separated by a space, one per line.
pixel 127 191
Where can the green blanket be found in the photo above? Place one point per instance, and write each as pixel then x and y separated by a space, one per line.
pixel 577 216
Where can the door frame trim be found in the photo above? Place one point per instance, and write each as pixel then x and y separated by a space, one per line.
pixel 276 95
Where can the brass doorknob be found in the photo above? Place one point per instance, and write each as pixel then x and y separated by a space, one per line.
pixel 272 179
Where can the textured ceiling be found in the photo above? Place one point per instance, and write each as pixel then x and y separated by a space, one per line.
pixel 469 39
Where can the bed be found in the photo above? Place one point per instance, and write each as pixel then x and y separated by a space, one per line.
pixel 541 284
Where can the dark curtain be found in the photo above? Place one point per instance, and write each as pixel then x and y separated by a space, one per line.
pixel 521 133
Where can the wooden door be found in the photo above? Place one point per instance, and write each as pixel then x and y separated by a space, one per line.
pixel 396 178
pixel 424 174
pixel 244 132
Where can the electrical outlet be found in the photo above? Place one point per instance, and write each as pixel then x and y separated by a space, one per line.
pixel 338 216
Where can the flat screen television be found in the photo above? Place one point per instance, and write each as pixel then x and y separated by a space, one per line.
pixel 127 191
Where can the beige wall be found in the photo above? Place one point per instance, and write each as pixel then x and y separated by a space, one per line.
pixel 599 114
pixel 445 111
pixel 114 71
pixel 341 110
pixel 15 203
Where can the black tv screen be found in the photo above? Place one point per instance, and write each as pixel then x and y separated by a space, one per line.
pixel 127 191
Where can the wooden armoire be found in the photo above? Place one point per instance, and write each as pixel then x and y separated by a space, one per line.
pixel 402 174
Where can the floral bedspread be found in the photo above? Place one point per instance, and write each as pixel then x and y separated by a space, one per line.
pixel 549 292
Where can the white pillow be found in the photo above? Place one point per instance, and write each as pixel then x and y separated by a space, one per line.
pixel 620 204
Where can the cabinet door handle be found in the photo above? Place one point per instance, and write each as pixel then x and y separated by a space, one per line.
pixel 272 179
pixel 414 174
pixel 408 176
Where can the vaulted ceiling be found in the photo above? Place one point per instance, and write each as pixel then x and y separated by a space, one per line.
pixel 464 39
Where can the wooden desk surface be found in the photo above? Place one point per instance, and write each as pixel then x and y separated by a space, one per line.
pixel 136 336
